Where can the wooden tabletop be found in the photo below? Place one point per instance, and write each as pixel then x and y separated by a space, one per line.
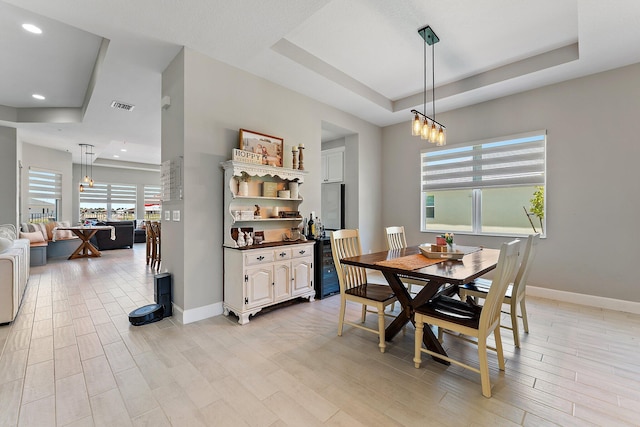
pixel 472 265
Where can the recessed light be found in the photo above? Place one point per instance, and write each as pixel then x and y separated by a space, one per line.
pixel 115 155
pixel 32 28
pixel 123 149
pixel 38 96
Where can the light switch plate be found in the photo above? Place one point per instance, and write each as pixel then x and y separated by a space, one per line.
pixel 167 215
pixel 176 216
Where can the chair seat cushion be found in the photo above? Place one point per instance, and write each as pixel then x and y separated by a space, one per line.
pixel 483 286
pixel 372 291
pixel 453 310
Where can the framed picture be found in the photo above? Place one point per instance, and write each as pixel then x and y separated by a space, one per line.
pixel 271 147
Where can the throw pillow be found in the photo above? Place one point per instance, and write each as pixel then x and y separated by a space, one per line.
pixel 8 231
pixel 63 234
pixel 35 237
pixel 42 229
pixel 50 226
pixel 5 244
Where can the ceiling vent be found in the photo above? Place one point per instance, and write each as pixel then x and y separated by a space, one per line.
pixel 122 106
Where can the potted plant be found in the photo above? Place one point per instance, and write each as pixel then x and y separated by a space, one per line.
pixel 243 184
pixel 537 208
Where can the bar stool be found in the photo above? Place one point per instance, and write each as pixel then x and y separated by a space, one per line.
pixel 155 245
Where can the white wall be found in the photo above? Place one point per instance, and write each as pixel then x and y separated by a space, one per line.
pixel 51 160
pixel 218 101
pixel 592 181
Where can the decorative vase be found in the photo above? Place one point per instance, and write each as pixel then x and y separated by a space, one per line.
pixel 243 188
pixel 293 188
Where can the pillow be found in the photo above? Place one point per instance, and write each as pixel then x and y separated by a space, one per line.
pixel 35 237
pixel 42 229
pixel 5 244
pixel 49 227
pixel 63 234
pixel 8 231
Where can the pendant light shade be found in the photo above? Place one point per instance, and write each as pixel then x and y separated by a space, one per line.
pixel 430 129
pixel 86 165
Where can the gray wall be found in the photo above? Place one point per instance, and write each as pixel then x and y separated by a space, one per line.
pixel 219 100
pixel 8 176
pixel 592 184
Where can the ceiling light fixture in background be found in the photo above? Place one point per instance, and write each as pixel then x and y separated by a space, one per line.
pixel 428 128
pixel 38 97
pixel 86 165
pixel 32 28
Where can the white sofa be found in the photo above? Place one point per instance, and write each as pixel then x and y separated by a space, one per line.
pixel 14 274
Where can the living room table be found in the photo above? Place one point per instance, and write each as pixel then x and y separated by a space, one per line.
pixel 409 262
pixel 86 249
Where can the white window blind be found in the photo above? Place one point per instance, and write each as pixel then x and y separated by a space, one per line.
pixel 152 195
pixel 44 186
pixel 507 162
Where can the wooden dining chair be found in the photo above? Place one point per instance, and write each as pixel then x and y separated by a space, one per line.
pixel 470 320
pixel 153 245
pixel 515 295
pixel 396 239
pixel 150 239
pixel 354 286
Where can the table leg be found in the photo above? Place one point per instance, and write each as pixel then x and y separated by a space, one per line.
pixel 86 249
pixel 408 305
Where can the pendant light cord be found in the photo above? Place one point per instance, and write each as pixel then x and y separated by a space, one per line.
pixel 433 79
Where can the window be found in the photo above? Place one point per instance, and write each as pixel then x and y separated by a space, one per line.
pixel 45 195
pixel 152 206
pixel 108 201
pixel 483 187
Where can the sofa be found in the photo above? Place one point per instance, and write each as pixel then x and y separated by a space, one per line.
pixel 14 274
pixel 124 236
pixel 140 232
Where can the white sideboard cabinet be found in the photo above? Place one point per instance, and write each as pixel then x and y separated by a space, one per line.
pixel 275 270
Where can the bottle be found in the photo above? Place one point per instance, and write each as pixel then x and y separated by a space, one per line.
pixel 311 228
pixel 318 228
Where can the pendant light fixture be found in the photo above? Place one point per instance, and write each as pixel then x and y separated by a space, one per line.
pixel 424 126
pixel 86 163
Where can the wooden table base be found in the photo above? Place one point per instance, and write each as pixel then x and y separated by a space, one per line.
pixel 86 249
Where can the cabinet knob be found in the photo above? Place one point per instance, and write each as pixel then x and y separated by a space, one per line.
pixel 282 254
pixel 260 258
pixel 302 252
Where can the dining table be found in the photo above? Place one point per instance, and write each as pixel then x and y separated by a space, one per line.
pixel 442 276
pixel 85 233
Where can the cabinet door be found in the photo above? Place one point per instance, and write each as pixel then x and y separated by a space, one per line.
pixel 332 166
pixel 282 281
pixel 302 275
pixel 258 286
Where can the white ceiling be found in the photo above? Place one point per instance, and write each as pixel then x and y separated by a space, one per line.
pixel 362 56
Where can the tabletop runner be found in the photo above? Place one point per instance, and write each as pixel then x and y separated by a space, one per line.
pixel 411 262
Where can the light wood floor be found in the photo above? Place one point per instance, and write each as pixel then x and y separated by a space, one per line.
pixel 71 358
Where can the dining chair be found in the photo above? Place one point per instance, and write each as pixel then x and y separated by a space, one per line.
pixel 153 245
pixel 396 240
pixel 354 286
pixel 470 320
pixel 515 295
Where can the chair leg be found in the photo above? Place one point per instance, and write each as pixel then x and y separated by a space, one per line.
pixel 364 313
pixel 417 353
pixel 523 310
pixel 381 331
pixel 440 334
pixel 514 325
pixel 484 367
pixel 343 307
pixel 498 338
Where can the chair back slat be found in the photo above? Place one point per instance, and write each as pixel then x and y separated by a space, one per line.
pixel 344 244
pixel 522 276
pixel 501 279
pixel 395 237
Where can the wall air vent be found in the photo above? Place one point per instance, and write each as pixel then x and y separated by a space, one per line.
pixel 122 106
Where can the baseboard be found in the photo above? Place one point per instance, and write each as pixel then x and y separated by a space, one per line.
pixel 583 299
pixel 194 314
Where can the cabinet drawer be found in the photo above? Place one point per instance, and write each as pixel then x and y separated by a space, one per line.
pixel 280 254
pixel 302 251
pixel 257 258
